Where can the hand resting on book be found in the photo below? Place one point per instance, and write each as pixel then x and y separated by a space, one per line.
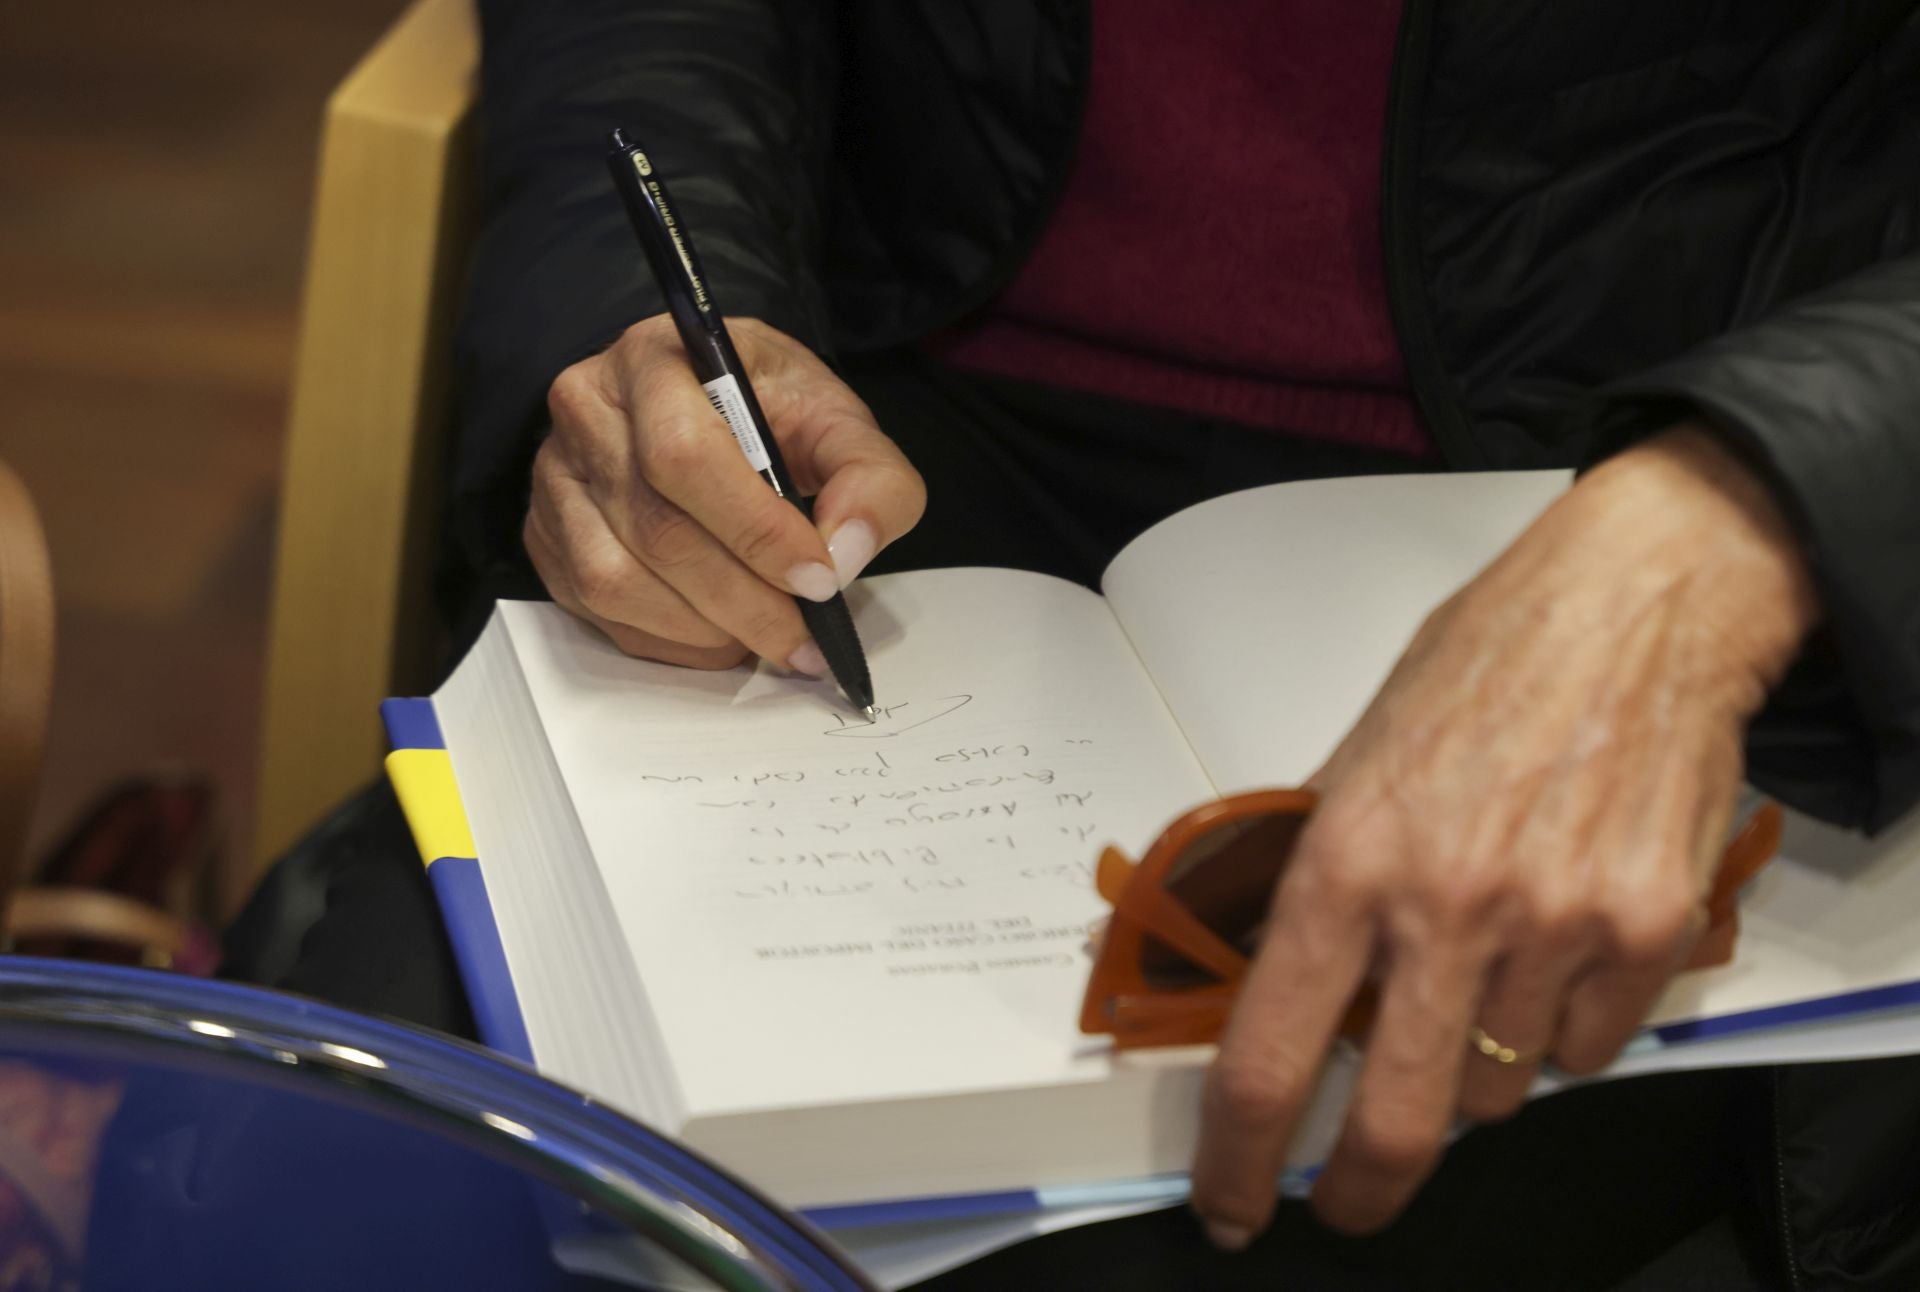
pixel 1518 834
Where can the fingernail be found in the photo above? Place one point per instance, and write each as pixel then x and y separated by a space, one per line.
pixel 813 581
pixel 1228 1238
pixel 808 660
pixel 851 547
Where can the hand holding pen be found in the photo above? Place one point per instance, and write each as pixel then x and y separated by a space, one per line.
pixel 648 521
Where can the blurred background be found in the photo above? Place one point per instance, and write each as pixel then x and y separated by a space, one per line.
pixel 158 165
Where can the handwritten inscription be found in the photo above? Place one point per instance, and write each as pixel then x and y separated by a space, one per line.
pixel 907 810
pixel 810 836
pixel 920 950
pixel 896 719
pixel 856 857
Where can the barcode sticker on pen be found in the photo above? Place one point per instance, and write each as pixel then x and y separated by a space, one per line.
pixel 724 394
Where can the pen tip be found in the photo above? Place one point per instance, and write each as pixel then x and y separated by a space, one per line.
pixel 873 714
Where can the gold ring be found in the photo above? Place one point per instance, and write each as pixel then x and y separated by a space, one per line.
pixel 1477 1037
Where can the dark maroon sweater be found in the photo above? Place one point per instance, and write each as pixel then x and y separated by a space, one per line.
pixel 1217 247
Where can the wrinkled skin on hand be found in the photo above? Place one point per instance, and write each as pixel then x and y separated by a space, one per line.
pixel 1520 832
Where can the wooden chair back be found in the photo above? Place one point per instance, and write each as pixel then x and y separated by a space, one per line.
pixel 26 671
pixel 352 618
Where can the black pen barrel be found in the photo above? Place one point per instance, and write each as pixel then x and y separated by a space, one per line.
pixel 703 331
pixel 831 623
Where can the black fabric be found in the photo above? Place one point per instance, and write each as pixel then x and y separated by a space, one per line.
pixel 1867 1235
pixel 1796 393
pixel 724 95
pixel 1635 212
pixel 1629 1187
pixel 1023 476
pixel 347 916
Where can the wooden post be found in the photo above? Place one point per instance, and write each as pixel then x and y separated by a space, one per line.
pixel 352 614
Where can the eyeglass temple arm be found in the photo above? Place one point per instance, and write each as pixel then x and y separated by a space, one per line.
pixel 1750 850
pixel 1150 907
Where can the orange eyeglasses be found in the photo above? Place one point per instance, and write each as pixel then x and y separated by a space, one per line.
pixel 1171 959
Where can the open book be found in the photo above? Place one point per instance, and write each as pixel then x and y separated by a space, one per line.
pixel 846 959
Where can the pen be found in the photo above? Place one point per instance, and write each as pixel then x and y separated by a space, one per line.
pixel 669 250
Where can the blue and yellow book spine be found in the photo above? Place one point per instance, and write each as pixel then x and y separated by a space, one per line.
pixel 422 776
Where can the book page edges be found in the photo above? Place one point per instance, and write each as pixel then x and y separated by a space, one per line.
pixel 583 1015
pixel 1141 1121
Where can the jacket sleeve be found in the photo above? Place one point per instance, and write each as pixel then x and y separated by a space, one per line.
pixel 732 100
pixel 1822 396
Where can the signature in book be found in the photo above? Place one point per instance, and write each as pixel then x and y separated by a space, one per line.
pixel 896 719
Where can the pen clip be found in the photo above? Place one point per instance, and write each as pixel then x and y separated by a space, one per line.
pixel 668 246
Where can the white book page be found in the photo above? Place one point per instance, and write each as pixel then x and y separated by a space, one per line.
pixel 1832 914
pixel 825 911
pixel 1269 618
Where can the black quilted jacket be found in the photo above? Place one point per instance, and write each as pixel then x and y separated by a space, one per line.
pixel 1599 216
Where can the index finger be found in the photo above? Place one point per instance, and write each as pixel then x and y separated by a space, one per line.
pixel 1310 964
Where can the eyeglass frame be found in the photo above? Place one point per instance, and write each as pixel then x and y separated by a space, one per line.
pixel 1121 1003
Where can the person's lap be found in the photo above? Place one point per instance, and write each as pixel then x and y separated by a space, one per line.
pixel 1639 1185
